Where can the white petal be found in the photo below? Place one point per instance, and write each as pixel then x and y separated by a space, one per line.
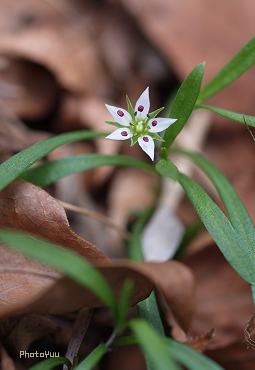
pixel 147 146
pixel 160 124
pixel 120 134
pixel 143 105
pixel 120 115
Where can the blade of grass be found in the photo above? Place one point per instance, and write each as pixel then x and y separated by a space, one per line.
pixel 240 63
pixel 93 358
pixel 236 210
pixel 183 105
pixel 153 346
pixel 238 117
pixel 190 358
pixel 52 171
pixel 220 229
pixel 14 166
pixel 69 263
pixel 51 363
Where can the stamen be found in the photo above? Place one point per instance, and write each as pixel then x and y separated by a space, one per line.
pixel 140 108
pixel 120 113
pixel 154 123
pixel 146 139
pixel 124 133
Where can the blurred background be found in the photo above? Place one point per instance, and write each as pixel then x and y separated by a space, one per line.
pixel 62 60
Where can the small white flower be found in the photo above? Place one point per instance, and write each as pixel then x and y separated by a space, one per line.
pixel 137 124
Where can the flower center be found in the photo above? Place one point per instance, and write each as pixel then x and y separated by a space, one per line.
pixel 124 133
pixel 146 139
pixel 139 127
pixel 120 113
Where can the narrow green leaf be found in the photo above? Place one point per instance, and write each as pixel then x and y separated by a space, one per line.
pixel 156 112
pixel 238 117
pixel 184 104
pixel 237 212
pixel 49 172
pixel 191 359
pixel 153 346
pixel 240 63
pixel 124 304
pixel 220 228
pixel 181 353
pixel 148 310
pixel 93 358
pixel 69 263
pixel 51 363
pixel 166 168
pixel 14 166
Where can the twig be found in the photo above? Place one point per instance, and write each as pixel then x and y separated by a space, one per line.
pixel 103 219
pixel 248 128
pixel 79 330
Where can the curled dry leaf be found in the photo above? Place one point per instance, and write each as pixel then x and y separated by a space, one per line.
pixel 27 207
pixel 32 288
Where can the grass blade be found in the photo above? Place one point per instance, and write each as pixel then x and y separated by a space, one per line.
pixel 237 212
pixel 14 166
pixel 69 263
pixel 52 171
pixel 238 117
pixel 183 105
pixel 51 363
pixel 220 229
pixel 240 63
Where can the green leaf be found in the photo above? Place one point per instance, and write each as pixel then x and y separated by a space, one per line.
pixel 240 63
pixel 155 112
pixel 181 353
pixel 148 310
pixel 69 263
pixel 51 363
pixel 50 172
pixel 191 359
pixel 184 104
pixel 238 117
pixel 166 168
pixel 220 228
pixel 14 166
pixel 155 136
pixel 93 358
pixel 237 212
pixel 130 108
pixel 124 304
pixel 116 124
pixel 153 346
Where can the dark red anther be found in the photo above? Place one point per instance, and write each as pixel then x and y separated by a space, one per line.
pixel 154 123
pixel 120 113
pixel 146 139
pixel 124 133
pixel 140 108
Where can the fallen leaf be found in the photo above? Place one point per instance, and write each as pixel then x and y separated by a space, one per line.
pixel 194 38
pixel 27 207
pixel 223 299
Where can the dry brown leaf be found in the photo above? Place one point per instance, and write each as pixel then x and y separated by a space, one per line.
pixel 30 288
pixel 223 299
pixel 55 38
pixel 190 32
pixel 27 207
